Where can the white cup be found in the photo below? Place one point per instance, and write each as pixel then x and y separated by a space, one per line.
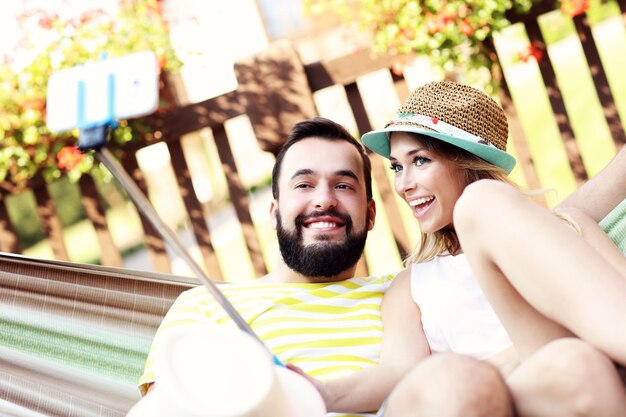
pixel 204 371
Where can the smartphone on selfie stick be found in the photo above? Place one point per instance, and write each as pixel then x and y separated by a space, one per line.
pixel 92 97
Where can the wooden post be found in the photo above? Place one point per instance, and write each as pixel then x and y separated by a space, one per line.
pixel 194 210
pixel 152 239
pixel 379 173
pixel 9 241
pixel 556 101
pixel 599 80
pixel 109 253
pixel 240 199
pixel 274 90
pixel 50 221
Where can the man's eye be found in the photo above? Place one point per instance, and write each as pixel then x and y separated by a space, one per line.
pixel 302 186
pixel 396 167
pixel 344 187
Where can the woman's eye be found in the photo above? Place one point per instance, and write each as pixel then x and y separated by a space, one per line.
pixel 420 160
pixel 396 167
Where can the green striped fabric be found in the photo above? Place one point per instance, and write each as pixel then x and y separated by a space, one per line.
pixel 614 224
pixel 74 338
pixel 328 330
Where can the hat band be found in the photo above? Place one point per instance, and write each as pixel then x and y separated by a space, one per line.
pixel 438 126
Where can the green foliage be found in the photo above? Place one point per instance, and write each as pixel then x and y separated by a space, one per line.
pixel 22 210
pixel 451 33
pixel 51 43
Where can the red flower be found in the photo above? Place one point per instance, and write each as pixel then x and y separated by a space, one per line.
pixel 532 51
pixel 69 157
pixel 574 7
pixel 435 23
pixel 33 104
pixel 45 23
pixel 399 63
pixel 466 28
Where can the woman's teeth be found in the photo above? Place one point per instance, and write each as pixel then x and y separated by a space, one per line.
pixel 421 200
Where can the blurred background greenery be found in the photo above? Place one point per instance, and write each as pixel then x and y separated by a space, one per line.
pixel 592 134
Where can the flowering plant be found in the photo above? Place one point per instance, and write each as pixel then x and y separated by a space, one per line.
pixel 50 43
pixel 452 33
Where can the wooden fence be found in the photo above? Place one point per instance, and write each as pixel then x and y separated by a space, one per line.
pixel 275 91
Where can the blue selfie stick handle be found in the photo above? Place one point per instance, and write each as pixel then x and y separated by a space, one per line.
pixel 278 362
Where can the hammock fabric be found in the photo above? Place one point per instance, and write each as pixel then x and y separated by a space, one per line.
pixel 74 338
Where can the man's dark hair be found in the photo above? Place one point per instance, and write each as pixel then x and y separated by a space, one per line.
pixel 320 127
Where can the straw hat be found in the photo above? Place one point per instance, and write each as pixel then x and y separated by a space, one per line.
pixel 206 371
pixel 454 113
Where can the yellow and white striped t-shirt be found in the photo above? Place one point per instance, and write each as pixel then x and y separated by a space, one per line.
pixel 329 329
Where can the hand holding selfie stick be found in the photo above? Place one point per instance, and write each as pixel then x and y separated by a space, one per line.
pixel 93 136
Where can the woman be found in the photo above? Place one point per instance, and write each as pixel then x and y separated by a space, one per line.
pixel 495 276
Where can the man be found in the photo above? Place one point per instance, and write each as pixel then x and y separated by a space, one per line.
pixel 310 310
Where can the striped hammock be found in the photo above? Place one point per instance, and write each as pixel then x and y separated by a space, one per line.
pixel 74 338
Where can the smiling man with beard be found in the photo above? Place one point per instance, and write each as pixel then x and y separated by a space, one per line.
pixel 310 311
pixel 323 206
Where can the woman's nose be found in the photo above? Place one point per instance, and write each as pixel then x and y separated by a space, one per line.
pixel 404 183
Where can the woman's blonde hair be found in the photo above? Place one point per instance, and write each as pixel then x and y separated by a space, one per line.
pixel 474 169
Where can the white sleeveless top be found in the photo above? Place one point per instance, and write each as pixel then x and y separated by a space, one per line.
pixel 455 313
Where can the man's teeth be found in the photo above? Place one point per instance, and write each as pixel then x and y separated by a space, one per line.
pixel 321 225
pixel 421 201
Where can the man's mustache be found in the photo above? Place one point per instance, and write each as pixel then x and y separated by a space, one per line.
pixel 301 218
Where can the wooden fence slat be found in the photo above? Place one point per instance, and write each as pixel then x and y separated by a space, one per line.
pixel 193 117
pixel 109 253
pixel 152 239
pixel 379 172
pixel 9 241
pixel 400 85
pixel 239 197
pixel 194 210
pixel 599 79
pixel 516 132
pixel 556 101
pixel 274 89
pixel 344 70
pixel 50 222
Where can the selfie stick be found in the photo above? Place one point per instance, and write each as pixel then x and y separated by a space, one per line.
pixel 94 138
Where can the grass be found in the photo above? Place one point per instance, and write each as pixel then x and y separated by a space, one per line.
pixel 529 94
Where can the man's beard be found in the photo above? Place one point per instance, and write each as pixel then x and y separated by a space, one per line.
pixel 322 259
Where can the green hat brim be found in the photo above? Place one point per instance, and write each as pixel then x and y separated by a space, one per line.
pixel 378 141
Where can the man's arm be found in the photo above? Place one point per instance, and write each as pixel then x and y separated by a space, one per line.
pixel 598 196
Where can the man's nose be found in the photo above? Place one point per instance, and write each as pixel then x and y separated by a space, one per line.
pixel 325 198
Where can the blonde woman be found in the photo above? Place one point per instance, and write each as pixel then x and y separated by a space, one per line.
pixel 496 278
